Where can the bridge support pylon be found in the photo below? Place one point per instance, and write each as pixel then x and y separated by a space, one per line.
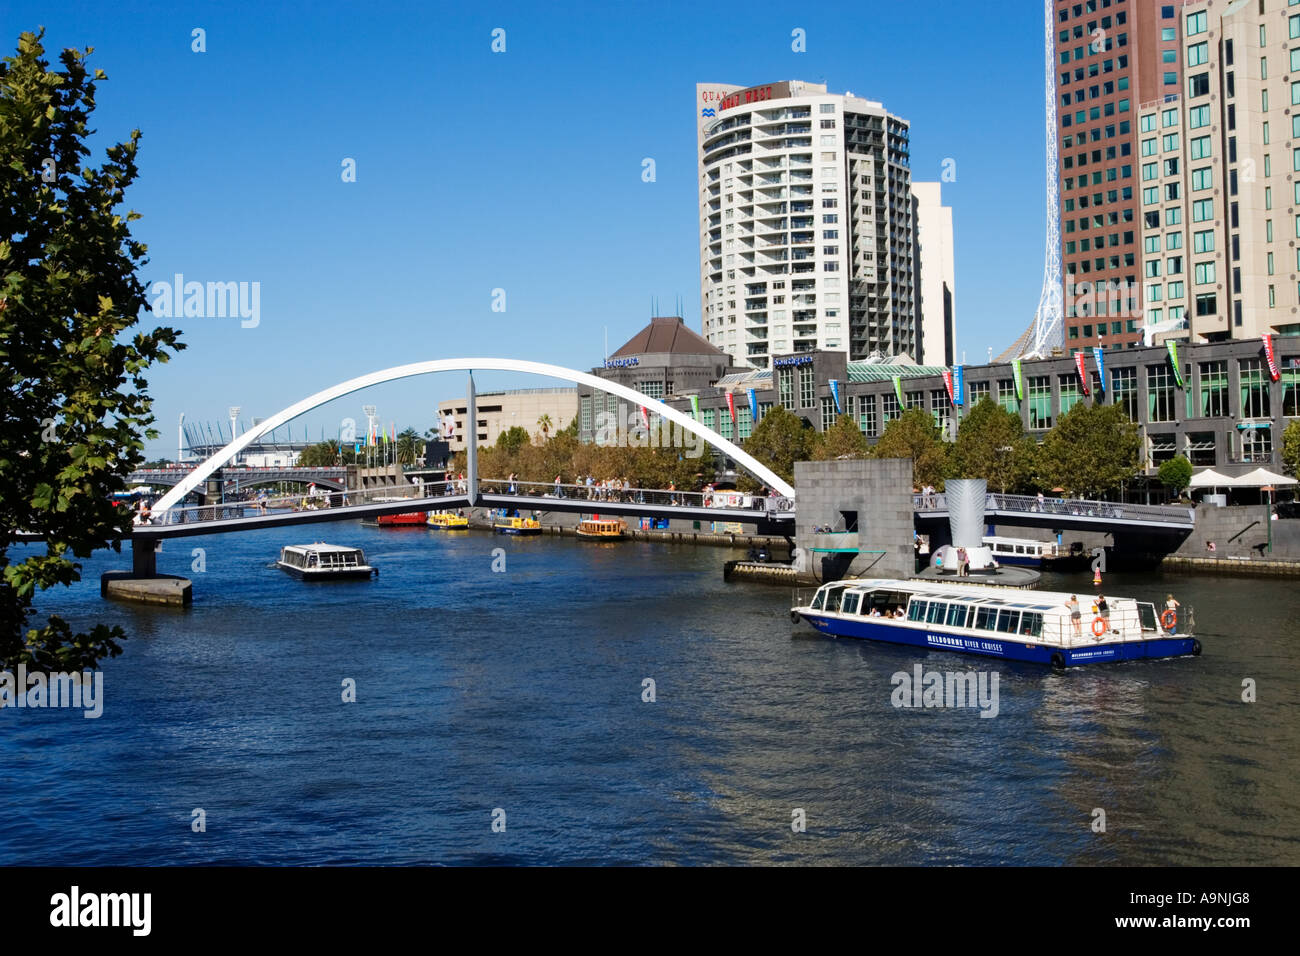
pixel 471 443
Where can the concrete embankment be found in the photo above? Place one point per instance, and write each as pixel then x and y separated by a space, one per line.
pixel 167 589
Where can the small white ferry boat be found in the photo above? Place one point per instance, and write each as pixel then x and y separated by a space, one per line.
pixel 324 562
pixel 1036 626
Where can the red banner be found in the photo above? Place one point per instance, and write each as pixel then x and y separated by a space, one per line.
pixel 1080 363
pixel 947 381
pixel 1272 359
pixel 645 417
pixel 731 406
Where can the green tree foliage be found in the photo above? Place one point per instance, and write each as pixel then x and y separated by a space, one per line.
pixel 1175 474
pixel 323 455
pixel 914 435
pixel 76 403
pixel 1092 450
pixel 1291 447
pixel 781 439
pixel 409 446
pixel 512 439
pixel 842 440
pixel 992 444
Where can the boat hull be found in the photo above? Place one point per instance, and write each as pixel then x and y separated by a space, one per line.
pixel 328 574
pixel 938 639
pixel 402 520
pixel 503 529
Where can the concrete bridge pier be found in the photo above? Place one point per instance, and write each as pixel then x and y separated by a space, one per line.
pixel 143 584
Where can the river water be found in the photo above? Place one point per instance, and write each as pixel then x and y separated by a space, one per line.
pixel 517 696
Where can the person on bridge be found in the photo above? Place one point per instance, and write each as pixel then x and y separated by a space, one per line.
pixel 559 492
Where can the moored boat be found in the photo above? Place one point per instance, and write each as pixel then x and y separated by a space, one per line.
pixel 993 621
pixel 324 562
pixel 602 529
pixel 448 520
pixel 509 521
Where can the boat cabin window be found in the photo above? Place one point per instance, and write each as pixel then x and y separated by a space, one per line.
pixel 818 600
pixel 1020 549
pixel 833 599
pixel 1031 623
pixel 850 603
pixel 986 618
pixel 1008 621
pixel 957 615
pixel 916 610
pixel 936 612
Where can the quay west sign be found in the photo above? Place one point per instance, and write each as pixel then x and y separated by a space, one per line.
pixel 622 363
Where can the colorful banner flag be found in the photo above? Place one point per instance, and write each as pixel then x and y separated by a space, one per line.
pixel 947 381
pixel 1020 379
pixel 1081 363
pixel 835 394
pixel 958 385
pixel 753 406
pixel 1272 359
pixel 1099 355
pixel 645 417
pixel 731 406
pixel 898 390
pixel 695 407
pixel 1172 346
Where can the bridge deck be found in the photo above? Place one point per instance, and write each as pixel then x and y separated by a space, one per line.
pixel 1029 511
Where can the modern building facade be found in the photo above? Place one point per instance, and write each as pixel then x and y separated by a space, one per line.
pixel 1209 89
pixel 498 412
pixel 1228 413
pixel 808 231
pixel 938 278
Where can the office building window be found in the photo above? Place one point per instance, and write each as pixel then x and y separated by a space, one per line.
pixel 744 422
pixel 806 386
pixel 1291 387
pixel 976 392
pixel 1255 388
pixel 828 413
pixel 1007 394
pixel 1160 393
pixel 889 409
pixel 1124 392
pixel 1040 402
pixel 1071 393
pixel 867 415
pixel 785 387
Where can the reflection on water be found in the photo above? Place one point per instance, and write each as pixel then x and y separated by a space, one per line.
pixel 523 690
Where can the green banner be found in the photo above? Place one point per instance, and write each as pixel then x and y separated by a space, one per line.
pixel 695 407
pixel 898 390
pixel 1020 380
pixel 1172 346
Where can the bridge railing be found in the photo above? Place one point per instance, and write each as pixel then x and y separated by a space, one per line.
pixel 599 492
pixel 286 504
pixel 1066 507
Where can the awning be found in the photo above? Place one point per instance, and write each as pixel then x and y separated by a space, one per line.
pixel 1261 477
pixel 1210 479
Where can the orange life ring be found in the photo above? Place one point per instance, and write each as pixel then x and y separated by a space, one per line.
pixel 1169 620
pixel 1098 627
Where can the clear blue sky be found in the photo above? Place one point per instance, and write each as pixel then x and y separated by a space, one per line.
pixel 519 171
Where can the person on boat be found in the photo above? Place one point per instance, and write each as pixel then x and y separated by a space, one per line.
pixel 875 612
pixel 1171 606
pixel 899 613
pixel 1076 618
pixel 1103 611
pixel 963 563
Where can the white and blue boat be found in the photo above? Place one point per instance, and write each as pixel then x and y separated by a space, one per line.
pixel 991 621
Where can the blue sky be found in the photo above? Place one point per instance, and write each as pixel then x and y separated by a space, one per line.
pixel 519 170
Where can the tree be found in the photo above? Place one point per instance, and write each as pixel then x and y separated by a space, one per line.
pixel 914 435
pixel 1291 447
pixel 1175 474
pixel 1092 450
pixel 842 440
pixel 512 439
pixel 545 424
pixel 781 439
pixel 321 455
pixel 408 446
pixel 76 407
pixel 992 444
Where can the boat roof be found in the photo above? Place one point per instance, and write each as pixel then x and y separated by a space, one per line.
pixel 975 593
pixel 320 547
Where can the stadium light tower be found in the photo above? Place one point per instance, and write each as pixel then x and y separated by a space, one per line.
pixel 234 423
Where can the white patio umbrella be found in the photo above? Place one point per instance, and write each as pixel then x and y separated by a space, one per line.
pixel 1262 477
pixel 1210 479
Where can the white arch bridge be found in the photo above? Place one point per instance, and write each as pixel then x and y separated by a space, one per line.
pixel 170 519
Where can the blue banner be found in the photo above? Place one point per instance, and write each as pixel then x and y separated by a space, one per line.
pixel 835 394
pixel 1098 354
pixel 753 406
pixel 958 388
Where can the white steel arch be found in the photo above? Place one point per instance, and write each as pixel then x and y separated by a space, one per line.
pixel 206 468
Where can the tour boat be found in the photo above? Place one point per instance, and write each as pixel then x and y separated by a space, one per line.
pixel 1031 553
pixel 405 519
pixel 995 621
pixel 448 520
pixel 606 529
pixel 509 521
pixel 324 562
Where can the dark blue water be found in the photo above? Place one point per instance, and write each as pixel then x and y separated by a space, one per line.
pixel 522 691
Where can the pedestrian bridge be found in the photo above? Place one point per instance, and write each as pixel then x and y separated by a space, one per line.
pixel 233 479
pixel 1027 511
pixel 773 514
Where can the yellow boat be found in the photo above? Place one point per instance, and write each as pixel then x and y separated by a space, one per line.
pixel 512 522
pixel 448 520
pixel 606 529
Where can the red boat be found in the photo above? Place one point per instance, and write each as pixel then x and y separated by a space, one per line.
pixel 417 518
